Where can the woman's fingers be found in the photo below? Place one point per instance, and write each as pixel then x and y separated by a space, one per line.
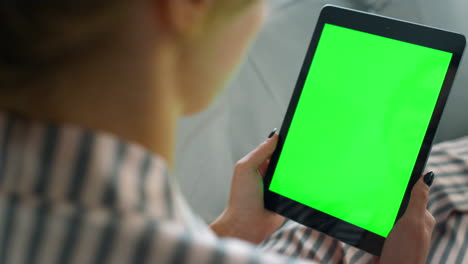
pixel 258 156
pixel 419 197
pixel 409 240
pixel 430 221
pixel 263 168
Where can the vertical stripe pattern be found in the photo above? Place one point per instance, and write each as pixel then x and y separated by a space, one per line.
pixel 71 237
pixel 143 246
pixel 107 240
pixel 7 132
pixel 8 226
pixel 37 234
pixel 110 193
pixel 48 155
pixel 49 212
pixel 81 165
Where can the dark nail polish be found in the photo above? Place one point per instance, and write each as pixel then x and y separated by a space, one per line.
pixel 429 178
pixel 272 133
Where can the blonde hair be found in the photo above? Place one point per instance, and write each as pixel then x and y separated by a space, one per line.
pixel 40 36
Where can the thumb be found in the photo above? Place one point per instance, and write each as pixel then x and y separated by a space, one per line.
pixel 259 155
pixel 420 194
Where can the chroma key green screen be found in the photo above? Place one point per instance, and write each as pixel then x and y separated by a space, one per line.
pixel 359 124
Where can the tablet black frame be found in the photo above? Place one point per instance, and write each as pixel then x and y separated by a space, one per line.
pixel 386 27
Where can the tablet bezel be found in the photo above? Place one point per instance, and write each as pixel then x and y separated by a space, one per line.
pixel 381 26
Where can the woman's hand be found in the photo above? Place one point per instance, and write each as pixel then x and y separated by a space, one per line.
pixel 245 216
pixel 410 239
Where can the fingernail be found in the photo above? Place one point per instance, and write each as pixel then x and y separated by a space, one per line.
pixel 272 133
pixel 429 178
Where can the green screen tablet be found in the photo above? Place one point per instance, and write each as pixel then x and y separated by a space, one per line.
pixel 358 122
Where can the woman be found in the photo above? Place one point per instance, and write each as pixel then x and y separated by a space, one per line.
pixel 91 92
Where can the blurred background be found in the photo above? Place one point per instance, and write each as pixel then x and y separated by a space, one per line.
pixel 255 100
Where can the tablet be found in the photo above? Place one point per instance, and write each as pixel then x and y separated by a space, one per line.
pixel 360 124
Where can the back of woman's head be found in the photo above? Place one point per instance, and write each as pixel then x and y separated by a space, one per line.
pixel 55 46
pixel 40 36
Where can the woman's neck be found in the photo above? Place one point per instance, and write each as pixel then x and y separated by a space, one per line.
pixel 135 100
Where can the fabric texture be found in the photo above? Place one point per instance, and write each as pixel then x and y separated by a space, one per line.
pixel 68 195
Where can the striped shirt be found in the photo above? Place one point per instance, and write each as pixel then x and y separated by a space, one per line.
pixel 69 195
